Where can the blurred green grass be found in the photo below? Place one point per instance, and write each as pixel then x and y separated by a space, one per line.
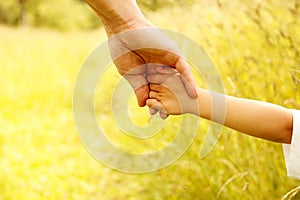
pixel 255 46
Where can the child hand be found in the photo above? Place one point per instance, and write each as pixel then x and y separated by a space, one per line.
pixel 168 94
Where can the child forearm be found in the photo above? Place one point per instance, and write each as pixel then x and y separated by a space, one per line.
pixel 259 119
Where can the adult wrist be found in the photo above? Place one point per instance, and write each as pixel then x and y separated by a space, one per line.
pixel 126 24
pixel 122 15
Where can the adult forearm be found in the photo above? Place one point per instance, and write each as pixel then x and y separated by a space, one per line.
pixel 256 118
pixel 119 15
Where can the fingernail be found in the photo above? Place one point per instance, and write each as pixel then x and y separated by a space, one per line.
pixel 160 68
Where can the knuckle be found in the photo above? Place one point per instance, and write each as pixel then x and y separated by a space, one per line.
pixel 157 87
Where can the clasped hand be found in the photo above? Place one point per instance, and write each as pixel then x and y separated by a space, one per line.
pixel 141 53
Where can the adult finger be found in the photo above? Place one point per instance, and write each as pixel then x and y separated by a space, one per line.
pixel 153 68
pixel 140 87
pixel 166 70
pixel 158 78
pixel 136 81
pixel 156 68
pixel 184 69
pixel 141 94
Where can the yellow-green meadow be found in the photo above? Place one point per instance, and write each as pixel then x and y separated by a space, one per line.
pixel 256 48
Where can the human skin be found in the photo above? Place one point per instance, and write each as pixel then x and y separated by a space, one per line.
pixel 259 119
pixel 137 47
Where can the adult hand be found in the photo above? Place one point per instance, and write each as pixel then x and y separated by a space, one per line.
pixel 137 48
pixel 141 52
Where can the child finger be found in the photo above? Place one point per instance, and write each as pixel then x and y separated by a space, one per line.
pixel 163 115
pixel 155 87
pixel 155 104
pixel 154 95
pixel 152 111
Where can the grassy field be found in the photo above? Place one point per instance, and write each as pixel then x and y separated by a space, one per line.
pixel 256 47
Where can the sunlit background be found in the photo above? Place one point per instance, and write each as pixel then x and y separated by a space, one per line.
pixel 256 48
